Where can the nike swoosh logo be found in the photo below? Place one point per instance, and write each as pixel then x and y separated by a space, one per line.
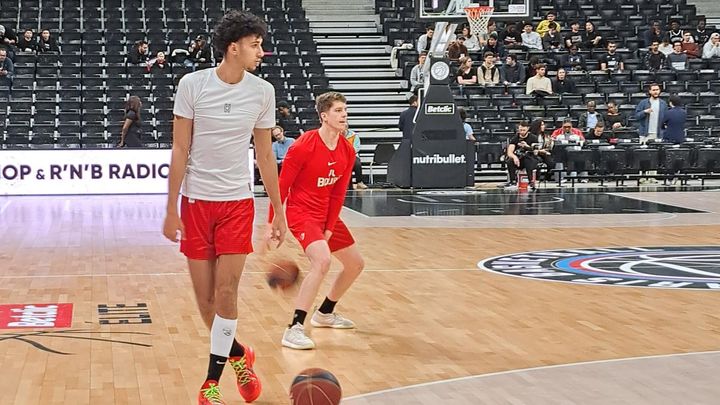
pixel 331 163
pixel 220 362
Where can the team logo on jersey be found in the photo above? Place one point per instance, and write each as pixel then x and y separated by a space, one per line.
pixel 331 179
pixel 227 108
pixel 695 267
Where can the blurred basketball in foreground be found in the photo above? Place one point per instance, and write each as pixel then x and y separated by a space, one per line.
pixel 282 274
pixel 315 386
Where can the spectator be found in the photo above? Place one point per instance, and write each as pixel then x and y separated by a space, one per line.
pixel 354 140
pixel 574 37
pixel 27 43
pixel 199 52
pixel 674 121
pixel 8 40
pixel 654 59
pixel 567 133
pixel 488 73
pixel 281 145
pixel 469 135
pixel 598 133
pixel 665 47
pixel 46 43
pixel 552 41
pixel 457 48
pixel 7 69
pixel 159 64
pixel 612 61
pixel 520 155
pixel 425 40
pixel 491 29
pixel 711 49
pixel 675 34
pixel 139 53
pixel 511 38
pixel 512 73
pixel 132 126
pixel 614 119
pixel 689 47
pixel 700 35
pixel 573 60
pixel 563 84
pixel 407 118
pixel 531 39
pixel 677 60
pixel 591 38
pixel 589 118
pixel 544 25
pixel 531 68
pixel 285 118
pixel 471 41
pixel 492 45
pixel 465 75
pixel 650 114
pixel 417 76
pixel 653 34
pixel 539 85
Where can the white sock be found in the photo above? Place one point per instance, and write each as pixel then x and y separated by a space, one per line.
pixel 222 335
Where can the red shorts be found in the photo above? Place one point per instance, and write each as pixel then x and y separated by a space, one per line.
pixel 307 232
pixel 214 228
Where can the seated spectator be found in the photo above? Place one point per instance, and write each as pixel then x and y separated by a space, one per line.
pixel 488 73
pixel 654 59
pixel 591 38
pixel 677 60
pixel 674 121
pixel 471 41
pixel 27 43
pixel 700 34
pixel 139 53
pixel 491 29
pixel 281 145
pixel 469 135
pixel 132 125
pixel 552 41
pixel 511 38
pixel 574 37
pixel 563 84
pixel 199 52
pixel 567 132
pixel 665 47
pixel 589 118
pixel 285 117
pixel 539 85
pixel 159 64
pixel 8 40
pixel 573 60
pixel 544 26
pixel 46 43
pixel 531 39
pixel 653 34
pixel 612 61
pixel 598 133
pixel 614 119
pixel 7 69
pixel 512 73
pixel 425 40
pixel 711 49
pixel 457 48
pixel 492 45
pixel 674 34
pixel 689 47
pixel 531 68
pixel 417 76
pixel 465 74
pixel 354 140
pixel 520 155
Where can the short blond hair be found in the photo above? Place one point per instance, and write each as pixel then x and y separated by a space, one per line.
pixel 325 101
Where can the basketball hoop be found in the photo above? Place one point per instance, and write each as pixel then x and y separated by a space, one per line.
pixel 478 17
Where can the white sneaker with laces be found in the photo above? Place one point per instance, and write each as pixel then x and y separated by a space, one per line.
pixel 295 338
pixel 333 320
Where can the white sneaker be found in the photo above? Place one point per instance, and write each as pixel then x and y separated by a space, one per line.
pixel 333 320
pixel 295 338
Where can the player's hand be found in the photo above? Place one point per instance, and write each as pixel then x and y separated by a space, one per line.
pixel 327 234
pixel 278 229
pixel 173 226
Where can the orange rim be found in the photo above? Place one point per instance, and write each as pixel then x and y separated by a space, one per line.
pixel 475 12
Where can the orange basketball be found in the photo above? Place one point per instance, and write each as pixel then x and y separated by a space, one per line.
pixel 282 274
pixel 315 386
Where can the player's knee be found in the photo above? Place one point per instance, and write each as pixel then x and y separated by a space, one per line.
pixel 322 264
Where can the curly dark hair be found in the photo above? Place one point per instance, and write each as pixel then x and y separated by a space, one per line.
pixel 237 24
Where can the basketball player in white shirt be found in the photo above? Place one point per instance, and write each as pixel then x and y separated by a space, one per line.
pixel 217 111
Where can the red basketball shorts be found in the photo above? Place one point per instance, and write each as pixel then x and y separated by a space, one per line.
pixel 214 228
pixel 307 232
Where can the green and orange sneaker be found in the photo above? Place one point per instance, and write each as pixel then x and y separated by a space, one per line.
pixel 248 382
pixel 210 394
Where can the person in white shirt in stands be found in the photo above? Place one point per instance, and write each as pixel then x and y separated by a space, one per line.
pixel 417 76
pixel 539 84
pixel 711 49
pixel 423 43
pixel 472 43
pixel 531 39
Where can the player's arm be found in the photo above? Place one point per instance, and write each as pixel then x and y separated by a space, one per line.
pixel 268 171
pixel 292 164
pixel 337 196
pixel 182 138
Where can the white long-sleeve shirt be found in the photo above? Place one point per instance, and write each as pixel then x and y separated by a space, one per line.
pixel 710 50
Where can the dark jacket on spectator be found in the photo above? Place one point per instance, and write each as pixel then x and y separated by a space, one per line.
pixel 573 62
pixel 27 46
pixel 512 74
pixel 650 36
pixel 654 61
pixel 566 86
pixel 674 122
pixel 8 66
pixel 47 46
pixel 406 124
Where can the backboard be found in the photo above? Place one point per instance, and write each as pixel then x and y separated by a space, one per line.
pixel 453 10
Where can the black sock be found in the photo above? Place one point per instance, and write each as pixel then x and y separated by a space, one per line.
pixel 327 306
pixel 215 368
pixel 237 350
pixel 298 317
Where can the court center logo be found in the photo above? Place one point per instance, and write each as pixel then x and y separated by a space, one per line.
pixel 695 267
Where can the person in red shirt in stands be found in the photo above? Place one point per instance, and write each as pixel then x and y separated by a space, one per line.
pixel 314 180
pixel 567 132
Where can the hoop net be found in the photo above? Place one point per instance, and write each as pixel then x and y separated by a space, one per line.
pixel 478 17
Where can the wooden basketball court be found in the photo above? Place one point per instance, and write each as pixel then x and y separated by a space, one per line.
pixel 424 310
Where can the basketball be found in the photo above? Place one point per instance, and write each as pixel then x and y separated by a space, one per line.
pixel 282 274
pixel 315 386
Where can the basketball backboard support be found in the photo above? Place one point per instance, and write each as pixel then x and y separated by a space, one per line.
pixel 453 10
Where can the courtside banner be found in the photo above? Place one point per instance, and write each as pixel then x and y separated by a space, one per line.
pixel 22 316
pixel 86 171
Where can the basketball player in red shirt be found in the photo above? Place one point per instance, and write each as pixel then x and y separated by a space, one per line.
pixel 314 179
pixel 217 112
